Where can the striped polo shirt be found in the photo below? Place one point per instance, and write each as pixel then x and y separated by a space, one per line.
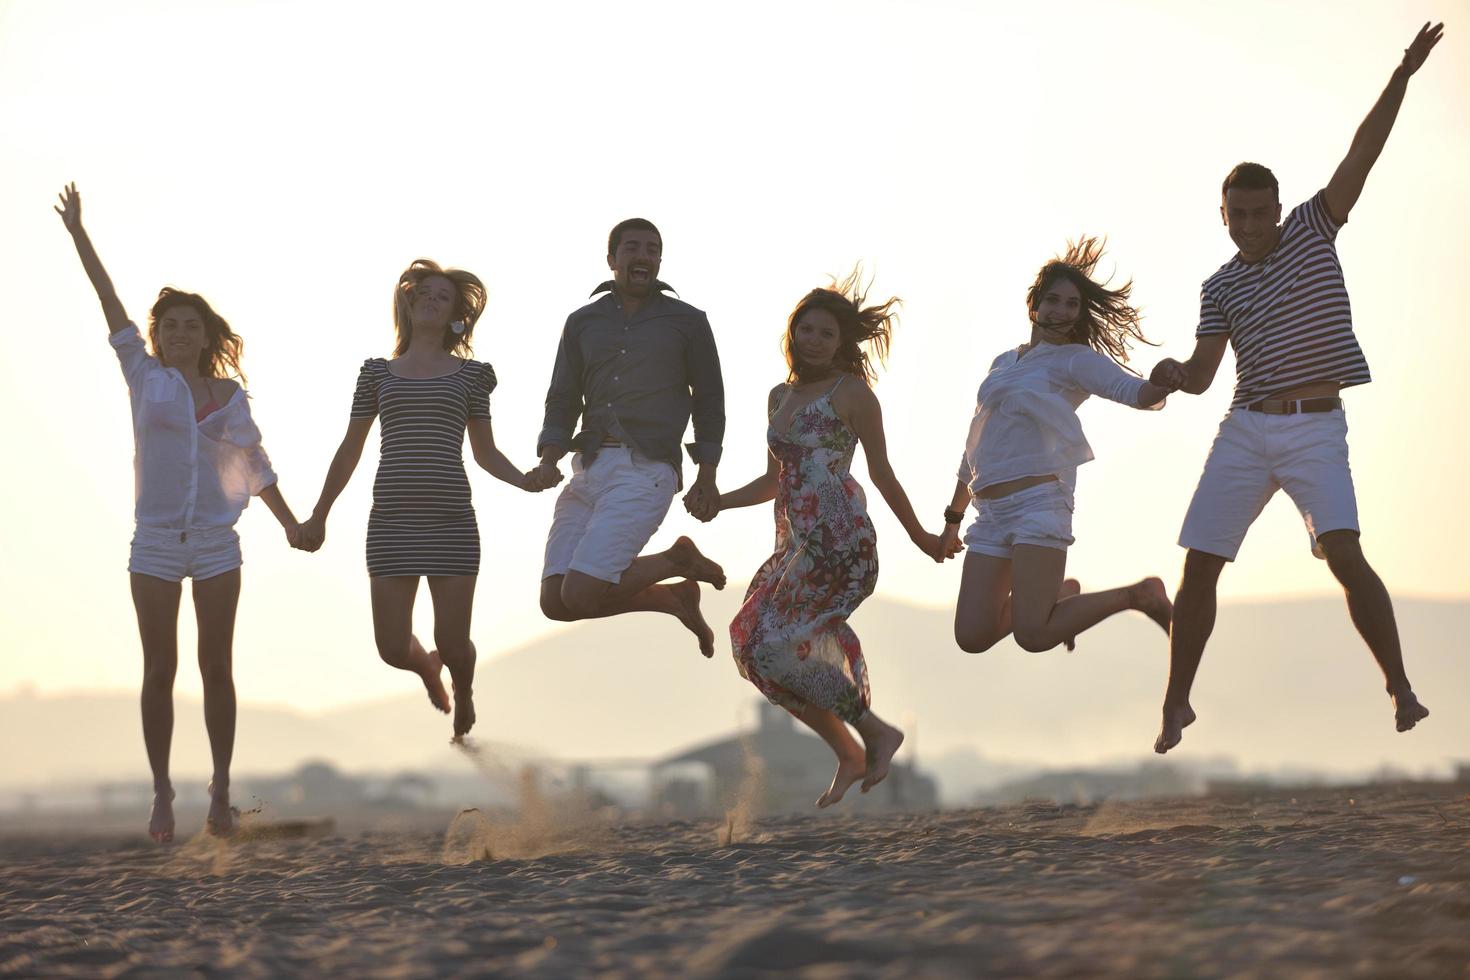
pixel 1287 314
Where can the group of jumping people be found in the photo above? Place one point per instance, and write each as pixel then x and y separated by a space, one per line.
pixel 637 364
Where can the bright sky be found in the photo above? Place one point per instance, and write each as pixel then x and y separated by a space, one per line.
pixel 287 160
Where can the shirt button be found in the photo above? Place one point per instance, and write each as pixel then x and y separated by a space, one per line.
pixel 615 377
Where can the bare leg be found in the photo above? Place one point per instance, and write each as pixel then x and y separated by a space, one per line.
pixel 1372 613
pixel 1070 587
pixel 454 600
pixel 215 602
pixel 156 602
pixel 982 614
pixel 393 597
pixel 1194 621
pixel 851 761
pixel 1042 621
pixel 880 742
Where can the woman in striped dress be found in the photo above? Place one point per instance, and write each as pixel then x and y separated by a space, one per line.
pixel 429 395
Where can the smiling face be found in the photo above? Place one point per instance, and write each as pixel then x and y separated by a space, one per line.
pixel 181 336
pixel 816 338
pixel 1252 216
pixel 1056 312
pixel 635 261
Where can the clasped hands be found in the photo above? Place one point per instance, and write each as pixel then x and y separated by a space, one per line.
pixel 1169 374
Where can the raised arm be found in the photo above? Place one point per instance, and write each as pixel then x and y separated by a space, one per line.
pixel 865 416
pixel 1347 182
pixel 70 210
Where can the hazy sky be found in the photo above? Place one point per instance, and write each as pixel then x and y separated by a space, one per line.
pixel 288 160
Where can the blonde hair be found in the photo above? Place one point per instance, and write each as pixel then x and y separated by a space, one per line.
pixel 469 303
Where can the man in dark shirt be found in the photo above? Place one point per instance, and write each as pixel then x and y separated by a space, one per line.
pixel 1282 304
pixel 633 365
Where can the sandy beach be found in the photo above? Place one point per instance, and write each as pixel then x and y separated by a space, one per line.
pixel 1324 882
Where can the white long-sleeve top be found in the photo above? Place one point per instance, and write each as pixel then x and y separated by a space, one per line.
pixel 187 474
pixel 1025 421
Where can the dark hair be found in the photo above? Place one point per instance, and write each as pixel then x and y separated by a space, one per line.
pixel 858 326
pixel 222 346
pixel 469 303
pixel 1251 177
pixel 1107 323
pixel 630 224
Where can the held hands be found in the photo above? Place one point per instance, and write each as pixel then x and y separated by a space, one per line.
pixel 1169 374
pixel 308 536
pixel 703 500
pixel 1418 50
pixel 70 208
pixel 949 542
pixel 932 545
pixel 543 476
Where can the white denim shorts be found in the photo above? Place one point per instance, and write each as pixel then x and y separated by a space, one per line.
pixel 1039 515
pixel 1255 455
pixel 173 554
pixel 606 514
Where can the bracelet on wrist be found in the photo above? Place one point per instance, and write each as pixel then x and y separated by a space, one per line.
pixel 952 516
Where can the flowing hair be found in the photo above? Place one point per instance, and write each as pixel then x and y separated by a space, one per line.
pixel 469 303
pixel 1107 323
pixel 222 346
pixel 865 333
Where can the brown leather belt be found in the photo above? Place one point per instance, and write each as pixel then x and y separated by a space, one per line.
pixel 1276 406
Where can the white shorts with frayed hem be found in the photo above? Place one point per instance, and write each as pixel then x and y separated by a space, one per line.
pixel 1255 455
pixel 174 554
pixel 606 514
pixel 1039 515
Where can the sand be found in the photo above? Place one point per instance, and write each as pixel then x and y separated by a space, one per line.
pixel 1325 883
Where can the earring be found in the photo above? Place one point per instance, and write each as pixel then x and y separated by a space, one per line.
pixel 457 326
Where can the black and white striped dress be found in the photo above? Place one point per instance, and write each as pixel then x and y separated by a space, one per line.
pixel 422 522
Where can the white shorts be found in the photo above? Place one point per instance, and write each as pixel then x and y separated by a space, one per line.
pixel 1039 515
pixel 173 554
pixel 1255 455
pixel 606 514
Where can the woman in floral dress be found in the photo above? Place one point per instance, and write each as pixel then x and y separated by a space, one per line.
pixel 791 638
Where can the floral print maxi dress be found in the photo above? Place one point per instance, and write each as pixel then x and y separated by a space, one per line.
pixel 791 637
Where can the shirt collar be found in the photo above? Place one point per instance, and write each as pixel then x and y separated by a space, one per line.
pixel 658 284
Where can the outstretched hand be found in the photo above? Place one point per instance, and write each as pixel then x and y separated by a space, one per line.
pixel 70 207
pixel 1418 50
pixel 1169 374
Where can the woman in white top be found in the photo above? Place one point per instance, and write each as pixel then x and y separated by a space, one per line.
pixel 1021 459
pixel 197 462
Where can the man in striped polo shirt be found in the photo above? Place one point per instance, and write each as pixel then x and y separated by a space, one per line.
pixel 1281 304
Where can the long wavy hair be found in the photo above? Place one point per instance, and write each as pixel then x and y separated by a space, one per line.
pixel 1107 322
pixel 469 303
pixel 865 332
pixel 222 346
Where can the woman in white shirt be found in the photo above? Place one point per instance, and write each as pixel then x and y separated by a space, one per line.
pixel 1021 459
pixel 197 462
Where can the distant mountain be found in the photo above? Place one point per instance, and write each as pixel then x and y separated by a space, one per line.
pixel 1283 684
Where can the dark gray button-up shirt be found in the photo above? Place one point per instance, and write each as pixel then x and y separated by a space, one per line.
pixel 637 379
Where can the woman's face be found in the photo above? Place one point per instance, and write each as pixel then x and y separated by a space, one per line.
pixel 182 336
pixel 816 338
pixel 431 304
pixel 1056 315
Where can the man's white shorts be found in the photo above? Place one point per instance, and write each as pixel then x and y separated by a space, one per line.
pixel 607 513
pixel 1255 455
pixel 1039 515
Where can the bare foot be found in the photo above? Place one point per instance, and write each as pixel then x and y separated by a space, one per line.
pixel 1172 732
pixel 881 744
pixel 430 673
pixel 161 820
pixel 1070 587
pixel 1152 599
pixel 849 770
pixel 1407 711
pixel 221 818
pixel 687 594
pixel 692 564
pixel 462 676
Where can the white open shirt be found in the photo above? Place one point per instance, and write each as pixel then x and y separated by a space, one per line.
pixel 1025 421
pixel 187 474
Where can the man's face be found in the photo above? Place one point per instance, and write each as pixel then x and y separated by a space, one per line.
pixel 1252 217
pixel 634 263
